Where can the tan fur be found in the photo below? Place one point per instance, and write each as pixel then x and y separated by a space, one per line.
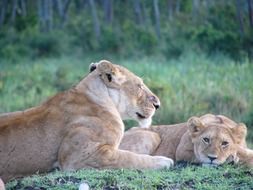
pixel 245 156
pixel 79 128
pixel 185 141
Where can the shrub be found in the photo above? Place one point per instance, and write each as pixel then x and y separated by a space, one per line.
pixel 110 41
pixel 44 45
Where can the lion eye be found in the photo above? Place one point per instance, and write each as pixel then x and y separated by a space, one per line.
pixel 109 77
pixel 224 143
pixel 206 140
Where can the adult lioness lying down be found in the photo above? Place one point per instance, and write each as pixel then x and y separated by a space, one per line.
pixel 209 139
pixel 81 127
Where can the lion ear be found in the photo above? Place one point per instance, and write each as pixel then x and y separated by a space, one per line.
pixel 93 67
pixel 239 133
pixel 110 74
pixel 195 126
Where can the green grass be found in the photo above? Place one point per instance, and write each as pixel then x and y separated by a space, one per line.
pixel 192 85
pixel 190 177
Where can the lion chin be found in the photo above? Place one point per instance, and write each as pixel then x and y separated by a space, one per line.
pixel 81 127
pixel 145 123
pixel 210 140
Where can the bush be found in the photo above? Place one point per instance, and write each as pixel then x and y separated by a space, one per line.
pixel 110 41
pixel 11 47
pixel 214 40
pixel 14 52
pixel 44 45
pixel 15 45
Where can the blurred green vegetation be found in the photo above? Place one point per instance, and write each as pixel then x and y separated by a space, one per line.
pixel 212 27
pixel 191 85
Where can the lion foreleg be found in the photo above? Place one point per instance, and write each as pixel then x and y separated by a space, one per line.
pixel 115 158
pixel 245 156
pixel 79 150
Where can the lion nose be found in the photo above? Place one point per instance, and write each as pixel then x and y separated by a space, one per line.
pixel 156 106
pixel 155 101
pixel 212 157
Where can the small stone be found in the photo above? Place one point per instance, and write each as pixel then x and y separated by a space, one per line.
pixel 2 185
pixel 84 186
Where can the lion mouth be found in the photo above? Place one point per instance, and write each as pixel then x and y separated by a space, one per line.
pixel 140 116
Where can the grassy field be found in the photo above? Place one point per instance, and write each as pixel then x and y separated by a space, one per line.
pixel 192 85
pixel 180 177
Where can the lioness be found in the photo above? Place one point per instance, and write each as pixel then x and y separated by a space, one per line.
pixel 81 127
pixel 209 139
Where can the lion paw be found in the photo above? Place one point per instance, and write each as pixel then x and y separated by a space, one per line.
pixel 163 162
pixel 232 159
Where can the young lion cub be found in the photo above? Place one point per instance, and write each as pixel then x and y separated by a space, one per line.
pixel 208 140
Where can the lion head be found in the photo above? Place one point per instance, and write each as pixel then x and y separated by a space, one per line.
pixel 215 141
pixel 130 95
